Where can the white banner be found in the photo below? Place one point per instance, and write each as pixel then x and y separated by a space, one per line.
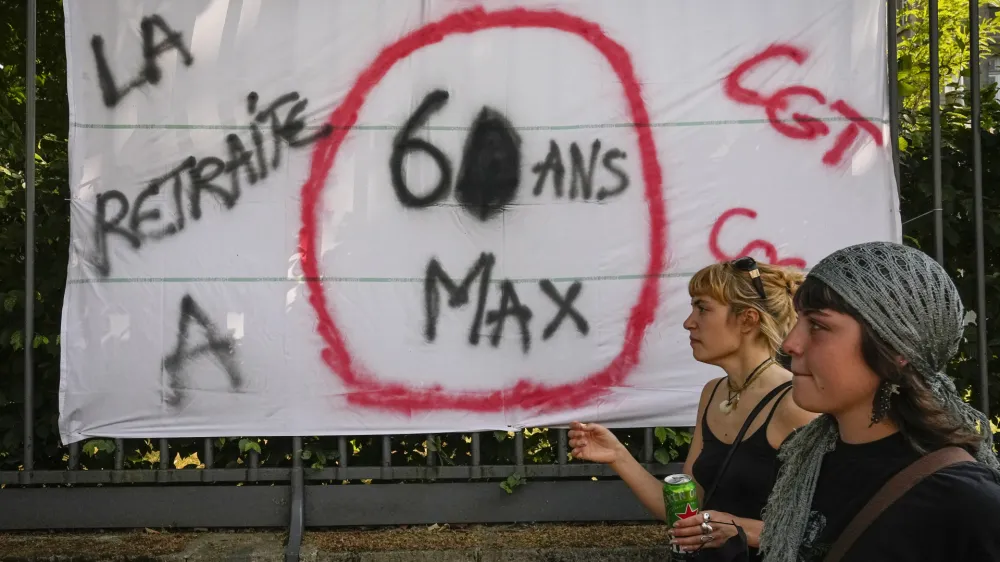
pixel 316 217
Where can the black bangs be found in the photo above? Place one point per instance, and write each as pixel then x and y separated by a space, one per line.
pixel 814 294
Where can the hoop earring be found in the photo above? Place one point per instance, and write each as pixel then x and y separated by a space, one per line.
pixel 883 400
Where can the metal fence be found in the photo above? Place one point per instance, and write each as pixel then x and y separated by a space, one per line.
pixel 296 497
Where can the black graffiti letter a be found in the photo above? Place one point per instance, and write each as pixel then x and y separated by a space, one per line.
pixel 220 346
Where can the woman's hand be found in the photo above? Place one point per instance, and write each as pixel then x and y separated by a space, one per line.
pixel 592 442
pixel 690 535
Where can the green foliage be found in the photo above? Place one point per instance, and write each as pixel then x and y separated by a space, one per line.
pixel 247 445
pixel 917 200
pixel 954 48
pixel 512 482
pixel 540 445
pixel 916 170
pixel 51 230
pixel 93 447
pixel 671 443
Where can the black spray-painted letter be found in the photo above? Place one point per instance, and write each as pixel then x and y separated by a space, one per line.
pixel 458 295
pixel 220 346
pixel 565 305
pixel 510 305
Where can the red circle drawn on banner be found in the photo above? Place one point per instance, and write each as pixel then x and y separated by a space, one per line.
pixel 365 389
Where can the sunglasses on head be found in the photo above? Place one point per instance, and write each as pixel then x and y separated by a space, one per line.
pixel 749 265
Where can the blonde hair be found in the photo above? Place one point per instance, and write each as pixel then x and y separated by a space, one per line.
pixel 734 288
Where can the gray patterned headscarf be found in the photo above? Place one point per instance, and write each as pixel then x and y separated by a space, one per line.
pixel 910 302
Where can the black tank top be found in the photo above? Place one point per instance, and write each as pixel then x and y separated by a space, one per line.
pixel 751 474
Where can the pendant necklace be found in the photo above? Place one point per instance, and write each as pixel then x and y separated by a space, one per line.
pixel 733 399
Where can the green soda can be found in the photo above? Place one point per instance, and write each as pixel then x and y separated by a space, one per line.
pixel 680 497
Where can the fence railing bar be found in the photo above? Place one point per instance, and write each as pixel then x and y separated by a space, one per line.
pixel 485 472
pixel 476 452
pixel 519 448
pixel 74 456
pixel 342 458
pixel 477 459
pixel 296 520
pixel 283 474
pixel 892 25
pixel 209 454
pixel 431 455
pixel 28 462
pixel 208 459
pixel 119 454
pixel 164 454
pixel 935 55
pixel 562 451
pixel 164 458
pixel 119 461
pixel 386 456
pixel 253 472
pixel 647 445
pixel 387 451
pixel 267 507
pixel 145 476
pixel 977 196
pixel 562 447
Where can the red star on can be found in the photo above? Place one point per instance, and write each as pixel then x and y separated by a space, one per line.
pixel 688 513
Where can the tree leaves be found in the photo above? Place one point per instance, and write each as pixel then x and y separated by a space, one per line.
pixel 917 201
pixel 247 445
pixel 93 447
pixel 190 460
pixel 52 225
pixel 10 301
pixel 661 434
pixel 512 482
pixel 672 442
pixel 914 47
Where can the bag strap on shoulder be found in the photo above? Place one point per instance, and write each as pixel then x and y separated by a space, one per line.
pixel 894 489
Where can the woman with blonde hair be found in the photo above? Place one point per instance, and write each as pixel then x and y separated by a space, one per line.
pixel 740 313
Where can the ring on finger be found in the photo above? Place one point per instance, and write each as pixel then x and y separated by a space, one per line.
pixel 706 528
pixel 706 516
pixel 707 538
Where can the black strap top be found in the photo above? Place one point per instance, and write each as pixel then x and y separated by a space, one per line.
pixel 752 472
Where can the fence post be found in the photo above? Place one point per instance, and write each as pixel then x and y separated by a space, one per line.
pixel 296 520
pixel 29 247
pixel 977 195
pixel 935 55
pixel 892 20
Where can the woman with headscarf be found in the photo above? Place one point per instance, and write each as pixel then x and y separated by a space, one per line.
pixel 878 324
pixel 741 311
